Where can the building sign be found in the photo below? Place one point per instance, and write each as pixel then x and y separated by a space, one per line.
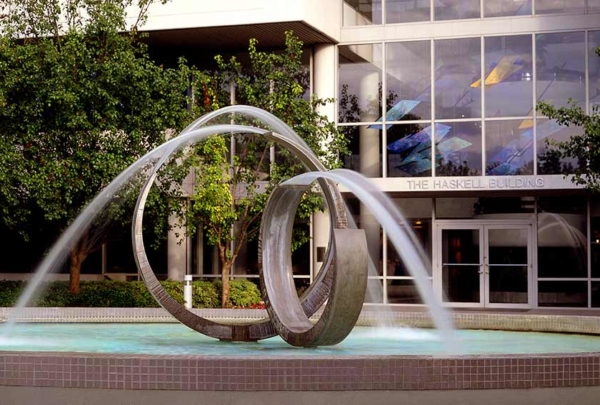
pixel 477 183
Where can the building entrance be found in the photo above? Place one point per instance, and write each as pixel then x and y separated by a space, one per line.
pixel 484 263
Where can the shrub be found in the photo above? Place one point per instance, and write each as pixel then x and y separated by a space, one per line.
pixel 114 294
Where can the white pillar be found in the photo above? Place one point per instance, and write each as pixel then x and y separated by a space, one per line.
pixel 323 79
pixel 177 255
pixel 369 142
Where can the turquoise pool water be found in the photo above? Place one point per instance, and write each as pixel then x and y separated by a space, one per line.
pixel 175 339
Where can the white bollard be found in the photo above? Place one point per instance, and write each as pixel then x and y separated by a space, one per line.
pixel 187 291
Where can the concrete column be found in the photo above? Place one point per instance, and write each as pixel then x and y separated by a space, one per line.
pixel 177 254
pixel 369 146
pixel 369 142
pixel 323 79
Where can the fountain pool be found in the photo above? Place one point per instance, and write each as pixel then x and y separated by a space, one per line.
pixel 177 340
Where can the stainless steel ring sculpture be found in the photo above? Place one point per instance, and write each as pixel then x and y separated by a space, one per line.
pixel 341 280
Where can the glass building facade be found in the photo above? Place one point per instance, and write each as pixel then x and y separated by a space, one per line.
pixel 438 99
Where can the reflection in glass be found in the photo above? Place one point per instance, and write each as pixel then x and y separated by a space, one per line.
pixel 409 150
pixel 549 156
pixel 509 148
pixel 458 149
pixel 457 71
pixel 456 9
pixel 402 11
pixel 361 12
pixel 461 264
pixel 363 143
pixel 560 67
pixel 359 82
pixel 562 240
pixel 508 76
pixel 594 66
pixel 508 265
pixel 562 294
pixel 403 292
pixel 559 6
pixel 408 81
pixel 506 8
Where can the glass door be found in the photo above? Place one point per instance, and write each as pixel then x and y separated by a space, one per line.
pixel 484 264
pixel 462 265
pixel 507 265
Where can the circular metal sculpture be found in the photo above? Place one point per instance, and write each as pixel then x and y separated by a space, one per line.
pixel 341 281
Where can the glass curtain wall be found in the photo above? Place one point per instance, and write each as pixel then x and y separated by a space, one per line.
pixel 377 12
pixel 464 107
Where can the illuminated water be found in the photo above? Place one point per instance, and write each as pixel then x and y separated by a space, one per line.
pixel 175 339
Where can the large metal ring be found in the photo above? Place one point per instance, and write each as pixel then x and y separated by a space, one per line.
pixel 312 300
pixel 349 279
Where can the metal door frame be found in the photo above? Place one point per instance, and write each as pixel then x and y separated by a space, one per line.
pixel 483 226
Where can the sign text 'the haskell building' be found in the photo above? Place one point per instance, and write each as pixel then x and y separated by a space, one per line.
pixel 479 183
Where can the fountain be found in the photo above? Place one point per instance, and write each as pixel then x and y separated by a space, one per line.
pixel 368 360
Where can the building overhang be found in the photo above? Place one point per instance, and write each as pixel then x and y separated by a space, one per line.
pixel 270 35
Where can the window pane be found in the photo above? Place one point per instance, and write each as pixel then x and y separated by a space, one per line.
pixel 360 83
pixel 456 9
pixel 594 69
pixel 374 293
pixel 559 6
pixel 562 294
pixel 417 212
pixel 508 76
pixel 561 68
pixel 593 6
pixel 550 160
pixel 365 155
pixel 457 72
pixel 364 219
pixel 509 148
pixel 562 240
pixel 485 208
pixel 504 8
pixel 408 81
pixel 361 12
pixel 403 292
pixel 409 150
pixel 458 149
pixel 595 294
pixel 595 237
pixel 401 11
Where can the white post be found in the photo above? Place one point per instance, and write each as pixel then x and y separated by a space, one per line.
pixel 187 291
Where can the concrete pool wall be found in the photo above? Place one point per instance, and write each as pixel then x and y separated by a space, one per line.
pixel 71 377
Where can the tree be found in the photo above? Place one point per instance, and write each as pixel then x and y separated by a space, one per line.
pixel 230 193
pixel 584 148
pixel 80 100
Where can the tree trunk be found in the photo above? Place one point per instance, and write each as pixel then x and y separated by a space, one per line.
pixel 74 271
pixel 225 291
pixel 77 256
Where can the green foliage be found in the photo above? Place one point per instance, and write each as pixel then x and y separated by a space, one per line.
pixel 131 294
pixel 80 100
pixel 244 293
pixel 583 148
pixel 231 192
